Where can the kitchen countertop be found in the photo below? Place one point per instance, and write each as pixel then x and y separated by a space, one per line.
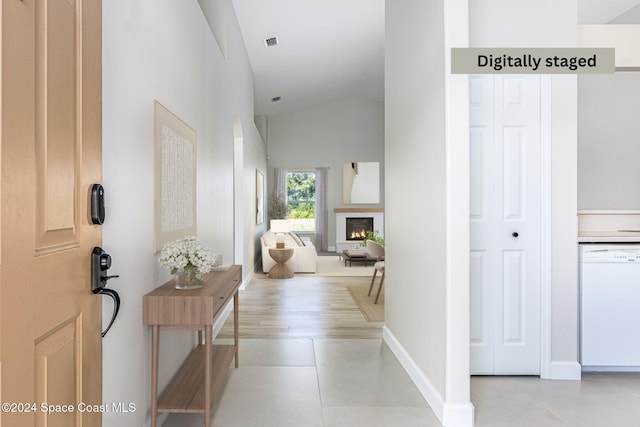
pixel 608 236
pixel 612 226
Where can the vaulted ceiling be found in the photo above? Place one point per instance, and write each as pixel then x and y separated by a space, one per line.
pixel 335 48
pixel 327 49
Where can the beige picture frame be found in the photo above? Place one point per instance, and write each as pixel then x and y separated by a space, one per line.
pixel 175 153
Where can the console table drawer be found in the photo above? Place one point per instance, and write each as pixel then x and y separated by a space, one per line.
pixel 168 306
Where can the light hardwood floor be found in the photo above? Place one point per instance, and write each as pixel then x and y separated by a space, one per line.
pixel 305 306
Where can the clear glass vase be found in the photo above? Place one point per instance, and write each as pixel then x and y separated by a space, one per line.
pixel 188 279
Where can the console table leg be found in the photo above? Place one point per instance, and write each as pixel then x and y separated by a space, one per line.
pixel 235 325
pixel 207 375
pixel 155 338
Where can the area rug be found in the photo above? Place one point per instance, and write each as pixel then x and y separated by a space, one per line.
pixel 332 266
pixel 372 312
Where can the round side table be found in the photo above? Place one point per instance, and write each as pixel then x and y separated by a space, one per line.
pixel 280 256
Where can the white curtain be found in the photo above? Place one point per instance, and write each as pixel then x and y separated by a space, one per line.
pixel 322 219
pixel 280 183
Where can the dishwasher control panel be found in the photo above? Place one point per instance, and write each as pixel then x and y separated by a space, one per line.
pixel 621 255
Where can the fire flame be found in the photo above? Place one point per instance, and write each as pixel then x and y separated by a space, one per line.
pixel 355 234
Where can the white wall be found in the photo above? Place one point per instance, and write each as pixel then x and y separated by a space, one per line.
pixel 609 141
pixel 427 197
pixel 548 23
pixel 349 129
pixel 255 157
pixel 164 50
pixel 416 183
pixel 427 301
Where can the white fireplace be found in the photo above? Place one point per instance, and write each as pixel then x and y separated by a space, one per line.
pixel 341 225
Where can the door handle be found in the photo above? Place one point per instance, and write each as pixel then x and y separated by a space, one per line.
pixel 116 306
pixel 515 234
pixel 100 264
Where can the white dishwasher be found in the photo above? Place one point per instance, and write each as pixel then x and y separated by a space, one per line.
pixel 610 307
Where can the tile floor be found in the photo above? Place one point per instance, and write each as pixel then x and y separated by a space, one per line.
pixel 358 382
pixel 321 367
pixel 599 400
pixel 316 383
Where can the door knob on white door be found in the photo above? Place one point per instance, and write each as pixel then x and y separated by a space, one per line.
pixel 515 234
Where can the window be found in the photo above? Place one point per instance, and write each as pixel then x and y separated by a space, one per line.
pixel 301 200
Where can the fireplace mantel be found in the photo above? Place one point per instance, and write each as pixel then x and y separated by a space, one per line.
pixel 352 210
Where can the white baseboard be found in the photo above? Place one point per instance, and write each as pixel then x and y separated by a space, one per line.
pixel 426 388
pixel 247 280
pixel 217 325
pixel 460 415
pixel 331 249
pixel 450 415
pixel 610 368
pixel 565 371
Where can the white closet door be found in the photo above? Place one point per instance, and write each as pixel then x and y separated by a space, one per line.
pixel 505 224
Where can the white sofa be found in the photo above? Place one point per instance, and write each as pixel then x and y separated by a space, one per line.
pixel 304 259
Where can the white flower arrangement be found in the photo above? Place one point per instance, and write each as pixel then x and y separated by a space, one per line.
pixel 189 254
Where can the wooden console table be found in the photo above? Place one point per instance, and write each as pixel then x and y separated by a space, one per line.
pixel 199 380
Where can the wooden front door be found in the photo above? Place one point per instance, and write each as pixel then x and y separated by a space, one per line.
pixel 50 131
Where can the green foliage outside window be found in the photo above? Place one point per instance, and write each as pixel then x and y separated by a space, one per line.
pixel 301 194
pixel 302 210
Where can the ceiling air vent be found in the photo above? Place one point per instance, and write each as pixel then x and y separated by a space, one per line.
pixel 271 41
pixel 276 99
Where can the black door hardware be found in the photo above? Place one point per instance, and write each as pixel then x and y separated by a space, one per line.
pixel 100 263
pixel 97 204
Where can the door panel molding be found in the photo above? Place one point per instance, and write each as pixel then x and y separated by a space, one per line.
pixel 513 96
pixel 478 173
pixel 58 135
pixel 478 290
pixel 58 372
pixel 513 167
pixel 513 304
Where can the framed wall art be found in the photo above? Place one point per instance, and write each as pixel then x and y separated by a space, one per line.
pixel 259 197
pixel 175 154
